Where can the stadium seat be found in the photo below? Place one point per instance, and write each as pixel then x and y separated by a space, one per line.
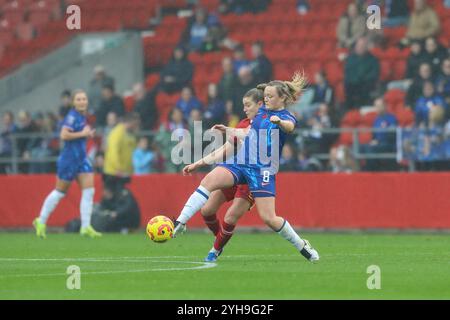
pixel 368 119
pixel 346 138
pixel 364 135
pixel 351 119
pixel 129 102
pixel 405 117
pixel 394 97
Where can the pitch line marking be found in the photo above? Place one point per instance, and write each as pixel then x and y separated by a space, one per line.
pixel 200 265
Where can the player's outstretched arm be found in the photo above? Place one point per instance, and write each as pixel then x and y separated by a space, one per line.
pixel 67 135
pixel 217 155
pixel 238 133
pixel 285 125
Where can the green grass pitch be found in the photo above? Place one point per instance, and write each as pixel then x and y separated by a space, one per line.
pixel 253 266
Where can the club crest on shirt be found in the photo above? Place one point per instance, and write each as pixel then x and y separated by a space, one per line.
pixel 70 120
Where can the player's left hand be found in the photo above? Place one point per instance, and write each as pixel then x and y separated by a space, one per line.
pixel 275 119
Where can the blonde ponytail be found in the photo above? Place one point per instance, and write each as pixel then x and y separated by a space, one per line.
pixel 297 85
pixel 290 90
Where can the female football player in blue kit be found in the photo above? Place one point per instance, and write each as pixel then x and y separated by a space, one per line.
pixel 72 164
pixel 270 126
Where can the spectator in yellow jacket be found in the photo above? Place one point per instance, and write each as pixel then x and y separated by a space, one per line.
pixel 118 165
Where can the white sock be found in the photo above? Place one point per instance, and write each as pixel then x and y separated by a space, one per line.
pixel 214 250
pixel 195 202
pixel 86 204
pixel 50 204
pixel 290 235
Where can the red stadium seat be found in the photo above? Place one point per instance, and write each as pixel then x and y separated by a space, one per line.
pixel 386 70
pixel 405 117
pixel 351 119
pixel 394 97
pixel 368 119
pixel 364 136
pixel 152 80
pixel 129 103
pixel 346 138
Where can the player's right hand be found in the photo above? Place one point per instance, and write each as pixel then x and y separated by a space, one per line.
pixel 189 169
pixel 219 127
pixel 88 132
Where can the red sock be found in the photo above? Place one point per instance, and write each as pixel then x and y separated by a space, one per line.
pixel 212 223
pixel 225 234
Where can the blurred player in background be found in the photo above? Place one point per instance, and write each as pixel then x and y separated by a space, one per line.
pixel 240 194
pixel 272 116
pixel 73 164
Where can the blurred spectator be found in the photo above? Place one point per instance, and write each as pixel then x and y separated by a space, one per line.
pixel 307 163
pixel 427 102
pixel 215 108
pixel 396 13
pixel 66 104
pixel 198 30
pixel 188 102
pixel 143 157
pixel 303 6
pixel 111 102
pixel 100 80
pixel 416 88
pixel 415 59
pixel 111 121
pixel 216 38
pixel 99 162
pixel 434 54
pixel 228 81
pixel 382 142
pixel 322 90
pixel 239 59
pixel 164 138
pixel 423 23
pixel 245 83
pixel 39 150
pixel 117 212
pixel 430 150
pixel 177 73
pixel 319 142
pixel 8 128
pixel 342 160
pixel 261 65
pixel 443 81
pixel 362 71
pixel 352 26
pixel 145 106
pixel 118 166
pixel 288 161
pixel 24 145
pixel 240 7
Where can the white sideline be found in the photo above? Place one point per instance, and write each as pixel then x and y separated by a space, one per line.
pixel 199 265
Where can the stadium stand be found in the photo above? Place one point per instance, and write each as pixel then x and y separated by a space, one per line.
pixel 30 29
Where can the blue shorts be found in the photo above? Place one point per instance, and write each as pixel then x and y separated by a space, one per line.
pixel 260 182
pixel 69 170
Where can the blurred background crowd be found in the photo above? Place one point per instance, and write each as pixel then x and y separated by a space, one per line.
pixel 377 100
